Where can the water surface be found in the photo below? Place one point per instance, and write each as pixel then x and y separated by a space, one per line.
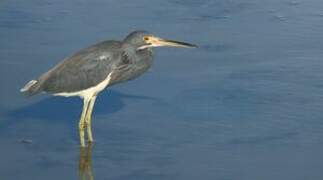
pixel 246 105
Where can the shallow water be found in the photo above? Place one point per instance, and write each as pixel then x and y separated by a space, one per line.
pixel 245 105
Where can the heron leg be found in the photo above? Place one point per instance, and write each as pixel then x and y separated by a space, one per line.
pixel 89 119
pixel 82 123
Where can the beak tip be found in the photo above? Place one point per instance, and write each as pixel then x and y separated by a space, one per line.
pixel 179 44
pixel 192 46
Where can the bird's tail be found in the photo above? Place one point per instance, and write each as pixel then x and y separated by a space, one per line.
pixel 31 88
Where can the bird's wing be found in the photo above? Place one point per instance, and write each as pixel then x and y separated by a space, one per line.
pixel 83 70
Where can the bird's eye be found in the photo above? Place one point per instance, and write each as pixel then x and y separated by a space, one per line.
pixel 146 38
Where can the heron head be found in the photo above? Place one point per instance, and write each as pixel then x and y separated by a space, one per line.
pixel 143 40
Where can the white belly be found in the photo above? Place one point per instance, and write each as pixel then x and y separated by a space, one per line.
pixel 90 92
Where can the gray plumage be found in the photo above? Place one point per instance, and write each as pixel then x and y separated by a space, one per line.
pixel 92 65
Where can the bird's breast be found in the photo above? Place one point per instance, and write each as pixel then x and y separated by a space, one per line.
pixel 132 66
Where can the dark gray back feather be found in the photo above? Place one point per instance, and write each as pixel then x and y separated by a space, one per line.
pixel 87 68
pixel 82 70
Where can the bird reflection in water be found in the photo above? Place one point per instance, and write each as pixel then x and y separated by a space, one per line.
pixel 85 163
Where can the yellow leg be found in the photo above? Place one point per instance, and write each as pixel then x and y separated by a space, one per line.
pixel 89 119
pixel 82 123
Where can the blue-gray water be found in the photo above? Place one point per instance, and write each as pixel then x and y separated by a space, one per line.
pixel 246 105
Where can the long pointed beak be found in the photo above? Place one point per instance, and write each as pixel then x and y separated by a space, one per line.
pixel 167 42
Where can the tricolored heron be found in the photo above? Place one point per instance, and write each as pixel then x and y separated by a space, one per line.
pixel 93 69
